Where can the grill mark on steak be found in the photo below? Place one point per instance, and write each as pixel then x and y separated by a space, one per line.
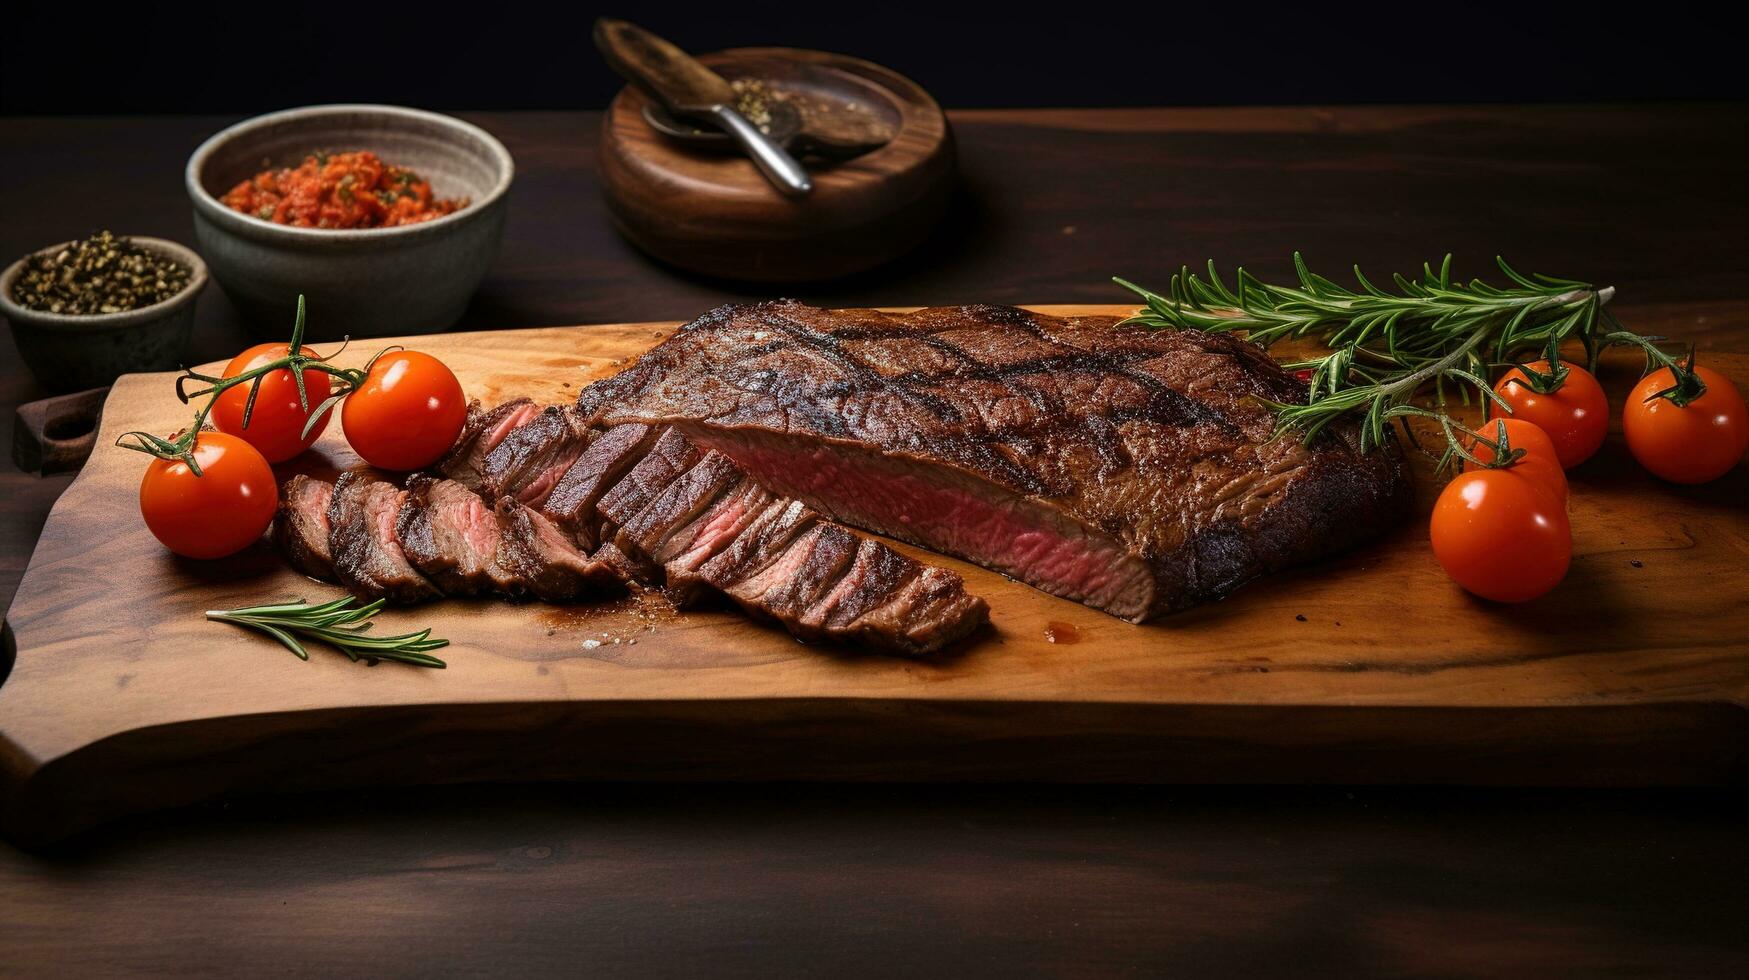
pixel 466 461
pixel 452 537
pixel 1130 469
pixel 368 558
pixel 532 458
pixel 301 526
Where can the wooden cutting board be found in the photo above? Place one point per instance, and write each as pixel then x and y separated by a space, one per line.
pixel 1369 667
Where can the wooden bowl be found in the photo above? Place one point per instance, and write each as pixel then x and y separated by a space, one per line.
pixel 711 213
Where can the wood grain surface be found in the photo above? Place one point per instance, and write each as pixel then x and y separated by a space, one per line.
pixel 1370 667
pixel 763 879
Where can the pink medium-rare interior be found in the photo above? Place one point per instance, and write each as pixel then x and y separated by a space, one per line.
pixel 951 512
pixel 490 439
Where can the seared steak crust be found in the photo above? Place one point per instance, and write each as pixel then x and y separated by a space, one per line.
pixel 368 558
pixel 527 465
pixel 301 527
pixel 547 561
pixel 1130 469
pixel 452 537
pixel 465 463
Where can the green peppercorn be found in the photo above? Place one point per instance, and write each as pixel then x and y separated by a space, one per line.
pixel 100 274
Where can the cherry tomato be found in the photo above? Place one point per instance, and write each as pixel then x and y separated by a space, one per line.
pixel 218 513
pixel 1539 459
pixel 1690 443
pixel 1501 535
pixel 1575 416
pixel 406 414
pixel 276 425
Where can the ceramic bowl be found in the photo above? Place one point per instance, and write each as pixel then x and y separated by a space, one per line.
pixel 72 353
pixel 363 282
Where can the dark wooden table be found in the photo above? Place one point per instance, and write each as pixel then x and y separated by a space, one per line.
pixel 890 880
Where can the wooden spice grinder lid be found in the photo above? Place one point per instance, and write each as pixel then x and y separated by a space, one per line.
pixel 711 212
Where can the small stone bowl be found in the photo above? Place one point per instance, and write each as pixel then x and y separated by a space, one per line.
pixel 72 353
pixel 367 282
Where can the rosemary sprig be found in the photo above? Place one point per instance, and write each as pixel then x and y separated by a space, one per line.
pixel 340 624
pixel 298 359
pixel 1386 347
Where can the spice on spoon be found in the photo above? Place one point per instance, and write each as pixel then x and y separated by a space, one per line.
pixel 100 274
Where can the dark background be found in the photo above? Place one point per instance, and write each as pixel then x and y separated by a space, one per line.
pixel 61 57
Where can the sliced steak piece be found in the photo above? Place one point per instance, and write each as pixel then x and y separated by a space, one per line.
pixel 301 527
pixel 368 558
pixel 610 456
pixel 647 533
pixel 465 463
pixel 451 536
pixel 670 456
pixel 1130 469
pixel 928 612
pixel 546 558
pixel 806 571
pixel 532 458
pixel 762 543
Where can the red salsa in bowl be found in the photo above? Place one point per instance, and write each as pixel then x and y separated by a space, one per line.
pixel 341 191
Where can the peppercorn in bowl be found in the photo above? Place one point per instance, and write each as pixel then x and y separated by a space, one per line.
pixel 385 218
pixel 85 312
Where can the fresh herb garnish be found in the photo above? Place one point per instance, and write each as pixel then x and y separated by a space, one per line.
pixel 340 624
pixel 1388 348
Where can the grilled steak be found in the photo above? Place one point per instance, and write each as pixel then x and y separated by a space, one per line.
pixel 301 527
pixel 546 559
pixel 571 505
pixel 361 536
pixel 465 463
pixel 532 458
pixel 451 536
pixel 710 525
pixel 1129 469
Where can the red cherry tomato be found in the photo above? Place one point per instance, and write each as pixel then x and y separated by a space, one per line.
pixel 1539 460
pixel 1501 535
pixel 218 513
pixel 1575 416
pixel 277 422
pixel 1690 443
pixel 406 414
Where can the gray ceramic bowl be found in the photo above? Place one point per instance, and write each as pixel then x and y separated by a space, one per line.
pixel 366 282
pixel 72 353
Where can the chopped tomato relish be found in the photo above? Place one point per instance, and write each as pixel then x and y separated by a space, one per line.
pixel 340 190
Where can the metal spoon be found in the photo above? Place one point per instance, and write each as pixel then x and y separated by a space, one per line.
pixel 686 88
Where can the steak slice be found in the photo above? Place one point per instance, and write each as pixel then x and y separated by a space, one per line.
pixel 1130 469
pixel 712 527
pixel 572 503
pixel 532 458
pixel 301 527
pixel 368 559
pixel 465 463
pixel 451 536
pixel 546 559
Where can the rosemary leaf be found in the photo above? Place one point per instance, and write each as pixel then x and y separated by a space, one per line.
pixel 340 624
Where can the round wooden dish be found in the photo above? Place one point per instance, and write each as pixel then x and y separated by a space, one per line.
pixel 712 213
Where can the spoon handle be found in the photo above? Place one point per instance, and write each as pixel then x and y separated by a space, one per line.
pixel 779 167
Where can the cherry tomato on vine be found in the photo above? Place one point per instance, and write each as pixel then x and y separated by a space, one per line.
pixel 276 425
pixel 218 513
pixel 1501 535
pixel 406 414
pixel 1575 416
pixel 1690 443
pixel 1539 460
